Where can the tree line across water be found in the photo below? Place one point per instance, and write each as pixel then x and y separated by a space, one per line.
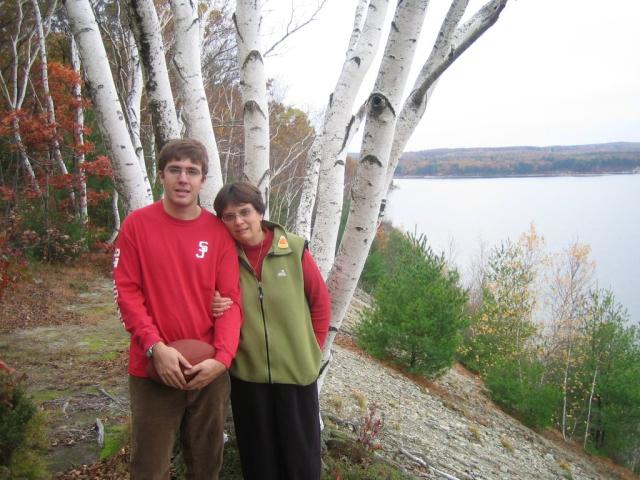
pixel 622 157
pixel 553 348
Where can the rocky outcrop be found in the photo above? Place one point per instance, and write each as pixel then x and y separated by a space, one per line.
pixel 450 424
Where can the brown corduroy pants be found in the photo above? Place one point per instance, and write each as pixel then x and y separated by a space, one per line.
pixel 159 413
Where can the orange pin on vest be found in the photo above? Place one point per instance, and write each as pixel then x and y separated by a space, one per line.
pixel 282 242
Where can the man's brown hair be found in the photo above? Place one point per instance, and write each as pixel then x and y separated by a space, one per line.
pixel 236 193
pixel 184 149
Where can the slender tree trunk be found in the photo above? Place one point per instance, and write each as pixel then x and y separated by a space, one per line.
pixel 328 151
pixel 253 86
pixel 48 99
pixel 368 187
pixel 452 41
pixel 196 114
pixel 146 28
pixel 133 101
pixel 78 134
pixel 128 176
pixel 565 393
pixel 588 425
pixel 116 217
pixel 22 154
pixel 14 85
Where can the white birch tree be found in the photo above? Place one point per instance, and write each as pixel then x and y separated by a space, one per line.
pixel 328 151
pixel 78 138
pixel 452 40
pixel 376 163
pixel 129 178
pixel 572 279
pixel 23 53
pixel 48 99
pixel 148 33
pixel 253 86
pixel 368 188
pixel 195 113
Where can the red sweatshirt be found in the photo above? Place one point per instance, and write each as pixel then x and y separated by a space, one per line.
pixel 166 271
pixel 315 288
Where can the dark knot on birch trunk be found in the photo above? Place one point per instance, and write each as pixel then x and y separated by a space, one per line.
pixel 378 103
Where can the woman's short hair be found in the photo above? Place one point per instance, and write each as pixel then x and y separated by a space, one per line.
pixel 236 193
pixel 183 149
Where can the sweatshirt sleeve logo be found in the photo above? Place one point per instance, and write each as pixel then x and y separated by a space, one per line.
pixel 203 248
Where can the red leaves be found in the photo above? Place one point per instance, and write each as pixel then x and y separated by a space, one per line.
pixel 6 194
pixel 101 167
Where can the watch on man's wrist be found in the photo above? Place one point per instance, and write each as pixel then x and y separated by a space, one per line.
pixel 149 351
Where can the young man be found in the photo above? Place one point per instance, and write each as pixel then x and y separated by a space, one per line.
pixel 171 257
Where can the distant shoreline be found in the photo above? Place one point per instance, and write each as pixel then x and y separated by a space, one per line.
pixel 537 175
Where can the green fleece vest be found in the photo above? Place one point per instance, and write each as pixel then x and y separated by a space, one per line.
pixel 277 342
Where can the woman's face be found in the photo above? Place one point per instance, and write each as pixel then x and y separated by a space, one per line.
pixel 244 223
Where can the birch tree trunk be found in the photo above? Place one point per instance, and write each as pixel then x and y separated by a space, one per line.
pixel 78 137
pixel 591 393
pixel 116 217
pixel 15 81
pixel 368 187
pixel 48 100
pixel 148 33
pixel 22 154
pixel 325 161
pixel 133 101
pixel 453 39
pixel 196 114
pixel 128 176
pixel 253 86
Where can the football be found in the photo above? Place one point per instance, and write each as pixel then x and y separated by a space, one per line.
pixel 195 351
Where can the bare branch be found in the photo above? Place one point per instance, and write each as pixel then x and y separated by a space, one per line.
pixel 292 29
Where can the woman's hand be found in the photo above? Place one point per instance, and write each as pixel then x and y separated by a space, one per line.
pixel 219 305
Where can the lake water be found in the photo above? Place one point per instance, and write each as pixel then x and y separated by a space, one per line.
pixel 457 215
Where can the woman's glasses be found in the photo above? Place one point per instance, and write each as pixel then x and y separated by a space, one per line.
pixel 243 213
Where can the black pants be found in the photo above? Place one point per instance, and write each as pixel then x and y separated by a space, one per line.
pixel 278 430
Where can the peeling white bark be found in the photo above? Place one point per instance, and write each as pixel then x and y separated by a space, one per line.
pixel 368 187
pixel 78 137
pixel 332 143
pixel 127 173
pixel 146 28
pixel 134 99
pixel 197 118
pixel 253 86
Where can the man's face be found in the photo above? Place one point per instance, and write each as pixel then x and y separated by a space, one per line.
pixel 182 181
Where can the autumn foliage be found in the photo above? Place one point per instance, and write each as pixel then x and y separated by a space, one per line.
pixel 45 210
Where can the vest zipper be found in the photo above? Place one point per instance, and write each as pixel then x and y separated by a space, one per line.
pixel 264 324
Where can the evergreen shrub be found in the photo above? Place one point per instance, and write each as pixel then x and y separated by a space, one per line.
pixel 517 386
pixel 418 313
pixel 21 430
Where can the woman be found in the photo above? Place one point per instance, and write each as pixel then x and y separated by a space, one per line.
pixel 286 308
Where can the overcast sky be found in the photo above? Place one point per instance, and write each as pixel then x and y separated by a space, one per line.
pixel 550 72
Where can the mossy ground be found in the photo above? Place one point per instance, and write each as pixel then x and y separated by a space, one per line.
pixel 60 329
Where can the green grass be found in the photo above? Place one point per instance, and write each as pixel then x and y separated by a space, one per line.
pixel 115 437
